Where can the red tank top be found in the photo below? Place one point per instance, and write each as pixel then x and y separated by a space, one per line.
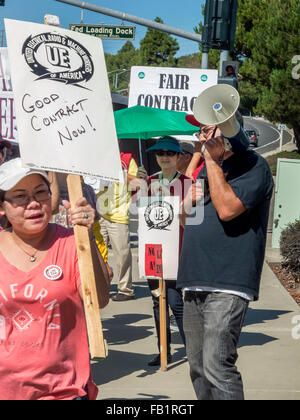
pixel 43 339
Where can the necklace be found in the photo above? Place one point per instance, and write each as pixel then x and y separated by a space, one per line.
pixel 162 179
pixel 32 257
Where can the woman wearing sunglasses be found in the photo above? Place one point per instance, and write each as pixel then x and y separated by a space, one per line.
pixel 43 339
pixel 168 182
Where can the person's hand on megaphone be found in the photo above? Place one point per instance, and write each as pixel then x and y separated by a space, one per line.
pixel 214 149
pixel 211 143
pixel 207 132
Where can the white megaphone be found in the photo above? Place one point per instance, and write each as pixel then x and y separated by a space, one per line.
pixel 218 105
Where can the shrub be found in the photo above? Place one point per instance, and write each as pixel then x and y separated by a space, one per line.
pixel 272 160
pixel 290 248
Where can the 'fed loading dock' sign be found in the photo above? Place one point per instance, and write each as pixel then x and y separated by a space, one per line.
pixel 105 31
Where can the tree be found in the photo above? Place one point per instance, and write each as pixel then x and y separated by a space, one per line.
pixel 126 57
pixel 190 61
pixel 158 48
pixel 268 34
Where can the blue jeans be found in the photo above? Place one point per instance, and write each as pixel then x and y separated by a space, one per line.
pixel 212 325
pixel 175 301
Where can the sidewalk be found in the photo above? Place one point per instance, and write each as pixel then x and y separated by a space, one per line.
pixel 269 356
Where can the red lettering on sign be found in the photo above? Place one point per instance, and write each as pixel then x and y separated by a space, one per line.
pixel 153 261
pixel 3 86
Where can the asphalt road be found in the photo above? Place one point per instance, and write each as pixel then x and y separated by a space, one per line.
pixel 268 134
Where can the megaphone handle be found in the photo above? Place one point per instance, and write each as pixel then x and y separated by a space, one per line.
pixel 212 136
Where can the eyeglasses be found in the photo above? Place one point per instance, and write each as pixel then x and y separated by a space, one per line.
pixel 168 153
pixel 22 199
pixel 3 149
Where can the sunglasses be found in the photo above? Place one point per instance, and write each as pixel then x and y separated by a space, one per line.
pixel 22 199
pixel 2 148
pixel 168 153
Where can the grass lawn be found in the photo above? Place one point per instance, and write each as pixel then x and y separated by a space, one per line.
pixel 272 160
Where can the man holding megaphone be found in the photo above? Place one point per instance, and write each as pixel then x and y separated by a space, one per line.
pixel 222 258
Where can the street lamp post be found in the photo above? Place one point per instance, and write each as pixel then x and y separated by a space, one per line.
pixel 114 71
pixel 114 76
pixel 117 77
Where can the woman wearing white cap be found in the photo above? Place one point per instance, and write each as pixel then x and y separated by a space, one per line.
pixel 43 340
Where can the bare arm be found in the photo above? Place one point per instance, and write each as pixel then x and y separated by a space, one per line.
pixel 101 273
pixel 195 194
pixel 194 162
pixel 54 188
pixel 197 155
pixel 138 182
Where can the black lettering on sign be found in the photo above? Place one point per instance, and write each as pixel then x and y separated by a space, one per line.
pixel 174 81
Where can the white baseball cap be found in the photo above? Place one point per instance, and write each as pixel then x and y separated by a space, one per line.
pixel 12 172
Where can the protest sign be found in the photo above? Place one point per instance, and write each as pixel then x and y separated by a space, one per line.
pixel 63 102
pixel 159 225
pixel 8 126
pixel 175 89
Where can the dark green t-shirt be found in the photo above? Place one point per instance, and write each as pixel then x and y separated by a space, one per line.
pixel 230 255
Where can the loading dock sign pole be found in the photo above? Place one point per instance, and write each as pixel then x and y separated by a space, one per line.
pixel 121 32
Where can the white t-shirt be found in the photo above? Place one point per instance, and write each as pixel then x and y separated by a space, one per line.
pixel 245 296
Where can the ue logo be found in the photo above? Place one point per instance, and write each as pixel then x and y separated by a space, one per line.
pixel 57 57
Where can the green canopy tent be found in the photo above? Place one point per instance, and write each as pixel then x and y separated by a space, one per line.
pixel 142 123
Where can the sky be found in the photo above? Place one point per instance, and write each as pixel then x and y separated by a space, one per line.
pixel 179 14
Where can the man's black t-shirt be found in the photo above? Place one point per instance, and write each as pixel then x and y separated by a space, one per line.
pixel 230 255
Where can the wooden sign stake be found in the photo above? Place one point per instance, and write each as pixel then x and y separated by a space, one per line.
pixel 97 344
pixel 154 270
pixel 163 325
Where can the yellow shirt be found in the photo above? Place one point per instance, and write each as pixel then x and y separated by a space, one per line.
pixel 100 241
pixel 113 203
